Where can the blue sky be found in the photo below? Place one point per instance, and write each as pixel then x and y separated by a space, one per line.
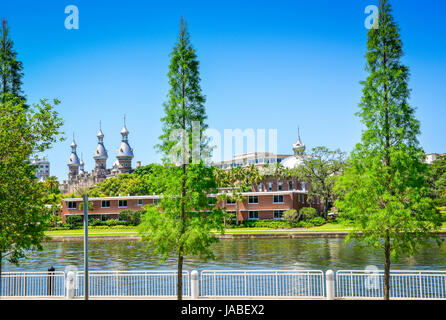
pixel 264 64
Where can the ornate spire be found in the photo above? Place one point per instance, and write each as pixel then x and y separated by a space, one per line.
pixel 100 152
pixel 73 160
pixel 125 132
pixel 299 146
pixel 124 149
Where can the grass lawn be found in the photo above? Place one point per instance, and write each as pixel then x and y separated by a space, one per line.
pixel 328 227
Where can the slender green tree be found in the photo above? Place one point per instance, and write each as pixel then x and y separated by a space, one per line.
pixel 384 190
pixel 23 215
pixel 182 221
pixel 11 69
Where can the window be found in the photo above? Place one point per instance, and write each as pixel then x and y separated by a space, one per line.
pixel 253 199
pixel 156 201
pixel 279 186
pixel 303 186
pixel 229 201
pixel 139 202
pixel 253 215
pixel 278 199
pixel 105 204
pixel 122 203
pixel 260 187
pixel 72 205
pixel 212 201
pixel 270 186
pixel 278 214
pixel 103 217
pixel 290 185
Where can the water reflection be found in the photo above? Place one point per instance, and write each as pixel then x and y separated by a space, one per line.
pixel 316 254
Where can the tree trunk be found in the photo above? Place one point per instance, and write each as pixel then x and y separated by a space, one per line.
pixel 236 213
pixel 326 209
pixel 387 268
pixel 180 277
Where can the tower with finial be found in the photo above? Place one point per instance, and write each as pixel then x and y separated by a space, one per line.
pixel 100 155
pixel 299 146
pixel 125 152
pixel 73 162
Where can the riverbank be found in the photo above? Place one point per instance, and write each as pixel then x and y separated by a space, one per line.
pixel 254 234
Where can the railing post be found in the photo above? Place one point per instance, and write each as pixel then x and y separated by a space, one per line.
pixel 194 284
pixel 70 285
pixel 329 284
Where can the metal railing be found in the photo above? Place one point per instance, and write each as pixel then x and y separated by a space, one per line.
pixel 260 283
pixel 306 284
pixel 357 284
pixel 132 284
pixel 32 284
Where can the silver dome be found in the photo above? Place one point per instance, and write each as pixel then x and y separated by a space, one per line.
pixel 73 159
pixel 124 130
pixel 100 152
pixel 292 162
pixel 125 150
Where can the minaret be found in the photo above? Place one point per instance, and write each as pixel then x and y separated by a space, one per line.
pixel 73 162
pixel 100 155
pixel 299 146
pixel 125 152
pixel 81 166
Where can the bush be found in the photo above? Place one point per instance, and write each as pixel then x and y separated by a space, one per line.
pixel 93 221
pixel 315 222
pixel 112 222
pixel 74 220
pixel 308 213
pixel 290 216
pixel 130 217
pixel 125 215
pixel 276 224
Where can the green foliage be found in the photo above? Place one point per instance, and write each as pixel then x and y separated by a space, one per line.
pixel 75 220
pixel 291 216
pixel 93 221
pixel 90 206
pixel 307 213
pixel 112 222
pixel 275 224
pixel 167 228
pixel 11 69
pixel 384 190
pixel 314 222
pixel 437 180
pixel 24 131
pixel 131 217
pixel 321 170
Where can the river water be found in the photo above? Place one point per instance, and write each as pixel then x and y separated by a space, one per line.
pixel 308 254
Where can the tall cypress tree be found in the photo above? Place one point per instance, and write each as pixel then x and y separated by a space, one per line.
pixel 11 69
pixel 384 189
pixel 184 219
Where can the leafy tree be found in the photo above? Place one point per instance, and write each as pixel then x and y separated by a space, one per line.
pixel 291 216
pixel 321 169
pixel 437 180
pixel 178 225
pixel 307 213
pixel 123 184
pixel 23 216
pixel 384 189
pixel 11 69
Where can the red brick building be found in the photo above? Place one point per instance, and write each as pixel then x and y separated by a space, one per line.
pixel 268 200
